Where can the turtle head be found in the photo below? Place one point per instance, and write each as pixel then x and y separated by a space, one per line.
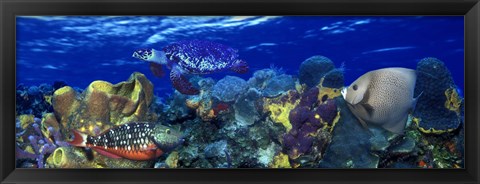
pixel 143 54
pixel 150 55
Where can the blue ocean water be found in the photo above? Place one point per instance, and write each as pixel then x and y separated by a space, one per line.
pixel 81 49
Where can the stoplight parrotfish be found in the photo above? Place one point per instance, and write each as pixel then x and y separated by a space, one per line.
pixel 191 57
pixel 134 141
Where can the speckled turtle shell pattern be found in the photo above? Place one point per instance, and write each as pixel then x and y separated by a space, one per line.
pixel 200 57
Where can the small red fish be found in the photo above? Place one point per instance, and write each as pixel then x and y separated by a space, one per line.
pixel 134 141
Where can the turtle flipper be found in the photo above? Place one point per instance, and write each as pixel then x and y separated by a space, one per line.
pixel 157 70
pixel 240 66
pixel 181 83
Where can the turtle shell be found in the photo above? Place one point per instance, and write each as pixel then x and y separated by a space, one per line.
pixel 200 57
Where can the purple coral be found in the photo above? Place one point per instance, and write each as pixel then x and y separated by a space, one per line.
pixel 298 116
pixel 307 119
pixel 41 145
pixel 309 98
pixel 297 145
pixel 327 111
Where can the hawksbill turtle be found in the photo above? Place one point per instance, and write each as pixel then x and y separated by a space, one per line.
pixel 191 57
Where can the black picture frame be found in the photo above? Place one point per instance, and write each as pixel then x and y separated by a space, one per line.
pixel 470 9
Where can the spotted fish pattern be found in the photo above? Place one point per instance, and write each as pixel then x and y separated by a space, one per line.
pixel 135 141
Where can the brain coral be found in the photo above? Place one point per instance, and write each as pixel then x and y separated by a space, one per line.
pixel 229 88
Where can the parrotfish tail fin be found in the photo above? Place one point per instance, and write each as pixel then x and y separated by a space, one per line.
pixel 414 102
pixel 240 66
pixel 181 83
pixel 157 70
pixel 106 153
pixel 397 127
pixel 79 139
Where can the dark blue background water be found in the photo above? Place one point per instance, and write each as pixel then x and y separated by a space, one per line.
pixel 79 50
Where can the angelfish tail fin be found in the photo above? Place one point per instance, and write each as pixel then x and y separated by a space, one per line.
pixel 79 139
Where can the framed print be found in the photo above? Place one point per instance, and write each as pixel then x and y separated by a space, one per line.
pixel 240 91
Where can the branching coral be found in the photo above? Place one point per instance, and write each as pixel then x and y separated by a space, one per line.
pixel 37 145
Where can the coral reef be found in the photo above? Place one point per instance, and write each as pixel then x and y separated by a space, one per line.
pixel 246 110
pixel 69 157
pixel 261 77
pixel 278 85
pixel 103 105
pixel 32 144
pixel 280 107
pixel 334 78
pixel 266 156
pixel 438 108
pixel 215 149
pixel 280 161
pixel 273 120
pixel 34 100
pixel 229 88
pixel 271 82
pixel 312 121
pixel 172 160
pixel 206 107
pixel 100 107
pixel 313 69
pixel 308 118
pixel 176 107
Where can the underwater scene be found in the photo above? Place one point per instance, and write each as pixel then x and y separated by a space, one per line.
pixel 240 92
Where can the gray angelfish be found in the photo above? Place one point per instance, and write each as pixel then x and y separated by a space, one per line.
pixel 383 97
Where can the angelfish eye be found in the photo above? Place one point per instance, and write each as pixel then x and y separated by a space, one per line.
pixel 355 87
pixel 167 131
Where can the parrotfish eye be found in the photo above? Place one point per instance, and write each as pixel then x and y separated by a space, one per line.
pixel 355 87
pixel 167 131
